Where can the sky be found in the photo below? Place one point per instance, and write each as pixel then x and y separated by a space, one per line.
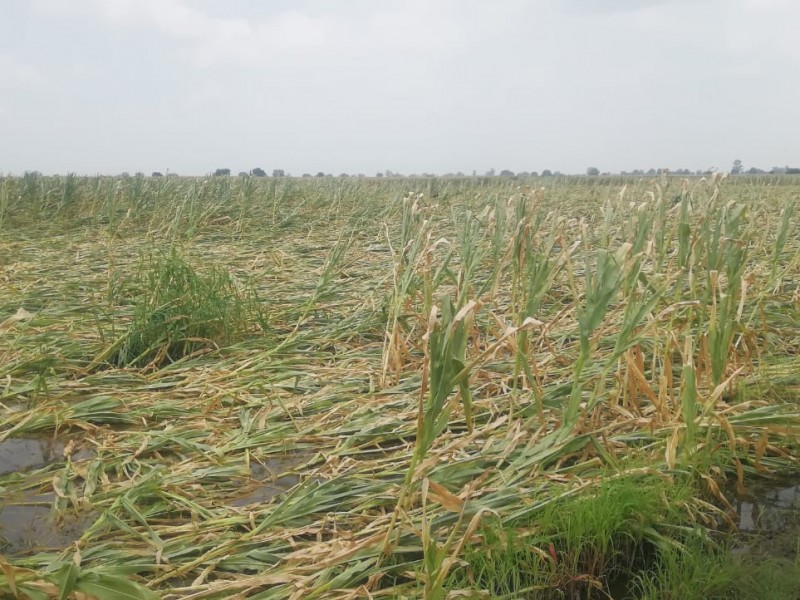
pixel 412 86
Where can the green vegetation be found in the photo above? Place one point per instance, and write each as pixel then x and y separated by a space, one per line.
pixel 574 543
pixel 329 388
pixel 178 313
pixel 699 570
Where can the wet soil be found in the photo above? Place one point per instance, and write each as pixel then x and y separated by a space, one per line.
pixel 767 530
pixel 27 519
pixel 27 523
pixel 20 454
pixel 769 520
pixel 270 478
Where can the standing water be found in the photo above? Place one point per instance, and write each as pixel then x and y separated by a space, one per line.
pixel 26 519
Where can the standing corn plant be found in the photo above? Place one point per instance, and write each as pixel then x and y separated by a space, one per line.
pixel 601 288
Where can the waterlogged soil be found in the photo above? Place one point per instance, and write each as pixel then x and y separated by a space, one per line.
pixel 769 521
pixel 21 454
pixel 270 478
pixel 27 523
pixel 767 529
pixel 27 520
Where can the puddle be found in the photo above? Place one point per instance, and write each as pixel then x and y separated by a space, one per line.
pixel 270 478
pixel 769 520
pixel 26 518
pixel 27 523
pixel 265 492
pixel 20 454
pixel 769 509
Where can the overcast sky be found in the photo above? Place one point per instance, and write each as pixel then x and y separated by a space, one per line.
pixel 359 86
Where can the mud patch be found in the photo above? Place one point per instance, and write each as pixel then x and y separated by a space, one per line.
pixel 19 454
pixel 270 478
pixel 22 454
pixel 27 519
pixel 27 523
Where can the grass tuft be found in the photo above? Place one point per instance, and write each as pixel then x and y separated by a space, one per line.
pixel 180 312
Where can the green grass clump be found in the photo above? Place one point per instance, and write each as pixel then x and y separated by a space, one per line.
pixel 575 545
pixel 703 570
pixel 180 312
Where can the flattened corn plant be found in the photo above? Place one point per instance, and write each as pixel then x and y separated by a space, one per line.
pixel 469 387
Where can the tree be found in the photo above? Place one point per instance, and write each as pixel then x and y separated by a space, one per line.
pixel 593 171
pixel 319 174
pixel 258 172
pixel 244 174
pixel 222 173
pixel 490 173
pixel 547 173
pixel 737 167
pixel 157 174
pixel 506 173
pixel 278 173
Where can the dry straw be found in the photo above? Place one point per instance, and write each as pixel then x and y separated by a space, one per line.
pixel 429 367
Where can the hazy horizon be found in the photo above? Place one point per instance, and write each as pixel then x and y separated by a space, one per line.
pixel 439 86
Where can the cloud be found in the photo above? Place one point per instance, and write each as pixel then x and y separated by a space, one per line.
pixel 313 32
pixel 211 40
pixel 251 43
pixel 404 84
pixel 17 74
pixel 173 18
pixel 614 6
pixel 204 39
pixel 766 28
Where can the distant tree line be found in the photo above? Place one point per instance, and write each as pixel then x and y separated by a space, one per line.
pixel 736 169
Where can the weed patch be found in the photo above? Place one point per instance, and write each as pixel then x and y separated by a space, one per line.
pixel 180 312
